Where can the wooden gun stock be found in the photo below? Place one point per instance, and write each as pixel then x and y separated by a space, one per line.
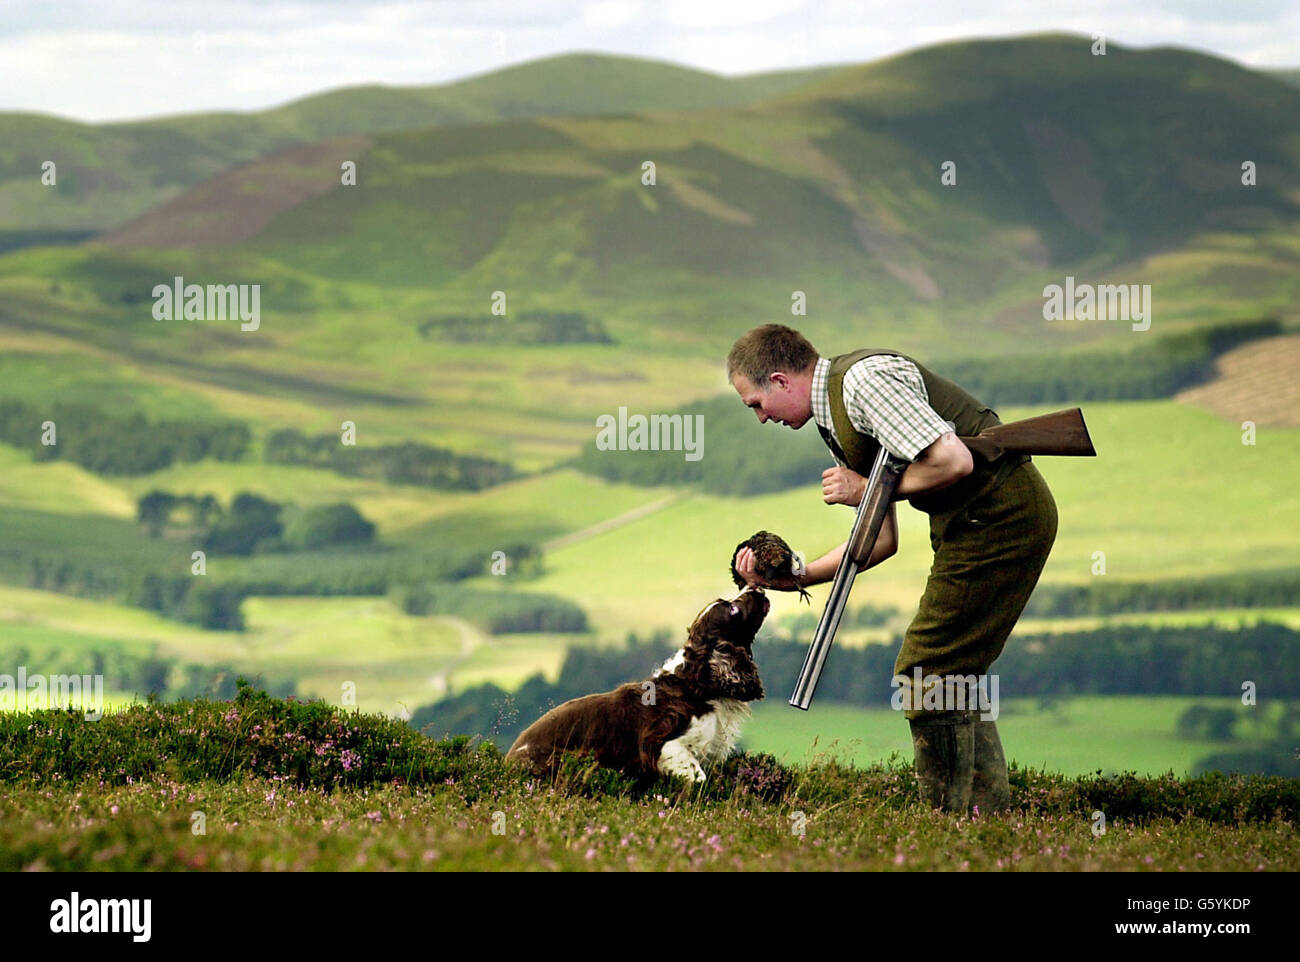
pixel 1059 433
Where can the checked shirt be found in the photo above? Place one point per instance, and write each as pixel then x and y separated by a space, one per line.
pixel 886 398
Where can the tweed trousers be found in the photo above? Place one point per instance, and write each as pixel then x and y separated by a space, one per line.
pixel 987 559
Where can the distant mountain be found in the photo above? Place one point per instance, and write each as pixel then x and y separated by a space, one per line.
pixel 1059 157
pixel 1118 169
pixel 109 173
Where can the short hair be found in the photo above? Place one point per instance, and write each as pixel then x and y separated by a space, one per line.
pixel 772 347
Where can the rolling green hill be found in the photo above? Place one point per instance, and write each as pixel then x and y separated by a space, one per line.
pixel 1291 77
pixel 834 187
pixel 111 172
pixel 1125 169
pixel 831 189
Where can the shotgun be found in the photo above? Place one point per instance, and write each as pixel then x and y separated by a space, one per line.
pixel 1060 433
pixel 885 472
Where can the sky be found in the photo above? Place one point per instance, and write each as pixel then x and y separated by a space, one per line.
pixel 99 60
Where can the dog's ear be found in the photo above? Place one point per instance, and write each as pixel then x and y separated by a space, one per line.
pixel 733 674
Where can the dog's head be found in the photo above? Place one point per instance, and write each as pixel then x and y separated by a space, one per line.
pixel 718 660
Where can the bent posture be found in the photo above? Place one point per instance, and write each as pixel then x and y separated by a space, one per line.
pixel 992 526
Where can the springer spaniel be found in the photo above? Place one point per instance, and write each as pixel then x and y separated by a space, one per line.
pixel 685 716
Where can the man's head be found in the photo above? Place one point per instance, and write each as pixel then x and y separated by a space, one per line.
pixel 771 368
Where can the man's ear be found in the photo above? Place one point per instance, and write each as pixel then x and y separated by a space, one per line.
pixel 780 379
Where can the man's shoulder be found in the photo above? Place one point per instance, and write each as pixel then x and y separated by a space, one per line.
pixel 884 362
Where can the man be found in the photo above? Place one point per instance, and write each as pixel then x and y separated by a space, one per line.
pixel 992 525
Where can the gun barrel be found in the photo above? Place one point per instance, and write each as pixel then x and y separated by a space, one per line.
pixel 881 483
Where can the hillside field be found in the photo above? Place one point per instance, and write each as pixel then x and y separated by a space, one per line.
pixel 816 190
pixel 1072 735
pixel 656 571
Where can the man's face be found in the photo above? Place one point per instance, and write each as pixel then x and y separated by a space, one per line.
pixel 786 399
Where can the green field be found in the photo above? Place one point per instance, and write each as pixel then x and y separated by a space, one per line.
pixel 394 661
pixel 1235 512
pixel 1075 736
pixel 656 571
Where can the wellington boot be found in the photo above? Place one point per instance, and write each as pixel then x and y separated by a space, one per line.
pixel 990 791
pixel 944 745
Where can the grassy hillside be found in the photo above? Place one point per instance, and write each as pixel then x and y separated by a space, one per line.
pixel 1149 522
pixel 528 183
pixel 1056 163
pixel 109 173
pixel 294 786
pixel 833 192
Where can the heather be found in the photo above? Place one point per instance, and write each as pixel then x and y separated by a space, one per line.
pixel 263 783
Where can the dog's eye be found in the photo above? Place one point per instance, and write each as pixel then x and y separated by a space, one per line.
pixel 734 610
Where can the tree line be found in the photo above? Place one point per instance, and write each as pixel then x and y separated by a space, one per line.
pixel 215 602
pixel 1251 589
pixel 407 463
pixel 1167 366
pixel 737 457
pixel 110 444
pixel 282 550
pixel 130 444
pixel 140 674
pixel 529 327
pixel 1190 660
pixel 1278 755
pixel 495 611
pixel 255 524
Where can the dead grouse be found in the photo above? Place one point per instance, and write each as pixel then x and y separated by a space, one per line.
pixel 773 559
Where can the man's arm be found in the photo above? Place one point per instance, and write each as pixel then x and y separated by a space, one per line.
pixel 945 461
pixel 823 570
pixel 885 397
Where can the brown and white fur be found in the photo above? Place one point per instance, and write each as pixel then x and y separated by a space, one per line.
pixel 685 717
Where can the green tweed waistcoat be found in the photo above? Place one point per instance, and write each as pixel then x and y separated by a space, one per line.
pixel 952 404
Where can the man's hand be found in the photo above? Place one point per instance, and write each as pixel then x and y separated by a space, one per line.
pixel 745 568
pixel 843 486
